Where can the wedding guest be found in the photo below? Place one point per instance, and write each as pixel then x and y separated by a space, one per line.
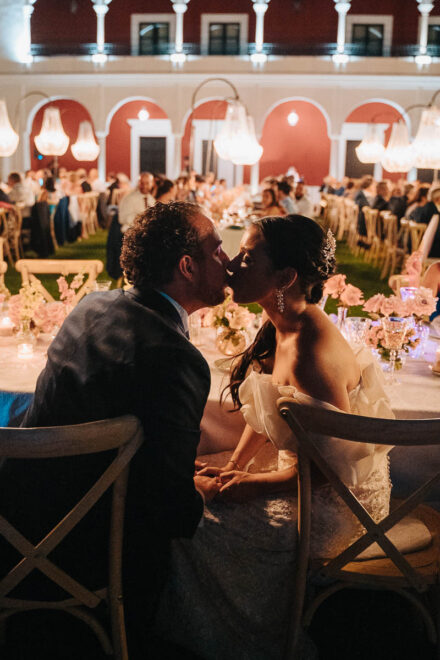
pixel 328 185
pixel 19 193
pixel 49 194
pixel 430 209
pixel 126 352
pixel 269 203
pixel 362 200
pixel 136 201
pixel 415 211
pixel 380 201
pixel 284 198
pixel 96 184
pixel 303 204
pixel 166 191
pixel 82 180
pixel 431 280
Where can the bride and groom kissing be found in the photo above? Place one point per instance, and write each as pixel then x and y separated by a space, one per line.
pixel 126 351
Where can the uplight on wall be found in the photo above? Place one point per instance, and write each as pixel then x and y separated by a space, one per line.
pixel 143 114
pixel 292 118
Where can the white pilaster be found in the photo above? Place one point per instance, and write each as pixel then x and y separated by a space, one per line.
pixel 336 167
pixel 180 7
pixel 28 9
pixel 101 8
pixel 425 9
pixel 177 168
pixel 342 8
pixel 255 178
pixel 102 163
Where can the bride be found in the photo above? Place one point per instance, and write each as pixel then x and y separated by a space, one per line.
pixel 228 591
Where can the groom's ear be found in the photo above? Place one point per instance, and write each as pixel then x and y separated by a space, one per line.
pixel 288 277
pixel 186 267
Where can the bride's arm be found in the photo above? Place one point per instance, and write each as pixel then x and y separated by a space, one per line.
pixel 249 444
pixel 241 486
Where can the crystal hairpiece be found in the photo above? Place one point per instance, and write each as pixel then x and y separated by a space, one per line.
pixel 329 248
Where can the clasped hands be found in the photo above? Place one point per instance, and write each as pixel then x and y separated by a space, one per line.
pixel 229 485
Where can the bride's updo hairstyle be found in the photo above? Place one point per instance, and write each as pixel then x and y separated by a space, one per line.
pixel 297 242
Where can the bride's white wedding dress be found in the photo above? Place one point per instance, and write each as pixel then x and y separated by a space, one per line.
pixel 228 590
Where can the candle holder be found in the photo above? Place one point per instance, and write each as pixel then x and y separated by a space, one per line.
pixel 25 340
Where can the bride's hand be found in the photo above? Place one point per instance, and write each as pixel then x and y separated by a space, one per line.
pixel 238 486
pixel 212 471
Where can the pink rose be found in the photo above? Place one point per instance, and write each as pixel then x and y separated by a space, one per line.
pixel 62 286
pixel 374 336
pixel 351 296
pixel 424 302
pixel 373 305
pixel 14 309
pixel 413 268
pixel 392 306
pixel 334 286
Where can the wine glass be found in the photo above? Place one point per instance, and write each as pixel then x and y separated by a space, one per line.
pixel 394 329
pixel 357 329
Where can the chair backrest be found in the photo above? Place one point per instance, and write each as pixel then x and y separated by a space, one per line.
pixel 89 267
pixel 416 230
pixel 389 223
pixel 123 434
pixel 3 264
pixel 305 420
pixel 371 219
pixel 428 237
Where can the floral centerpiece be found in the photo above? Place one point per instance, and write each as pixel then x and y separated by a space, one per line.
pixel 346 294
pixel 380 306
pixel 231 321
pixel 29 311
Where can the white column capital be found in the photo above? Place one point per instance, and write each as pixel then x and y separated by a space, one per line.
pixel 180 7
pixel 101 6
pixel 425 7
pixel 260 6
pixel 342 7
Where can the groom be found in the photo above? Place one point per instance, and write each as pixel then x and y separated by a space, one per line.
pixel 127 352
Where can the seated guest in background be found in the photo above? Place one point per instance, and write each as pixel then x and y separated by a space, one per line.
pixel 415 211
pixel 362 200
pixel 182 185
pixel 49 193
pixel 96 184
pixel 4 199
pixel 19 193
pixel 126 352
pixel 397 203
pixel 350 190
pixel 340 190
pixel 431 280
pixel 269 204
pixel 433 208
pixel 328 185
pixel 166 191
pixel 31 182
pixel 136 201
pixel 380 202
pixel 303 204
pixel 82 181
pixel 284 198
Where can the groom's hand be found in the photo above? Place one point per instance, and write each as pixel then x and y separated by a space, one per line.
pixel 237 486
pixel 208 486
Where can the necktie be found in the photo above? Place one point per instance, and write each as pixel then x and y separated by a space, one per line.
pixel 146 201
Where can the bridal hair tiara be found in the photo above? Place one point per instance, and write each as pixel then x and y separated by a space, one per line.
pixel 329 249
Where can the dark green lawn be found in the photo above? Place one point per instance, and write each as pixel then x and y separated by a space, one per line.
pixel 358 272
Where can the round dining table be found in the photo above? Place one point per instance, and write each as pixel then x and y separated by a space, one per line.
pixel 417 396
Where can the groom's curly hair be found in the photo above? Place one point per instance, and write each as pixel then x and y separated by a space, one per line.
pixel 153 246
pixel 300 243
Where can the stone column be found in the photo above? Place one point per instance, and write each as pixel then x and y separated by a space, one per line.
pixel 28 9
pixel 177 160
pixel 255 178
pixel 180 7
pixel 342 8
pixel 15 16
pixel 336 167
pixel 260 8
pixel 102 163
pixel 101 8
pixel 424 8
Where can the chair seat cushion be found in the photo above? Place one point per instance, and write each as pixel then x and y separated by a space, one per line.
pixel 409 535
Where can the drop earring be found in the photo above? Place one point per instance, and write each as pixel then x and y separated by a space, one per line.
pixel 280 300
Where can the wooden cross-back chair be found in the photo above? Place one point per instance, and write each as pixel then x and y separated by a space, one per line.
pixel 372 239
pixel 352 213
pixel 123 434
pixel 416 231
pixel 10 230
pixel 411 574
pixel 89 267
pixel 88 203
pixel 3 264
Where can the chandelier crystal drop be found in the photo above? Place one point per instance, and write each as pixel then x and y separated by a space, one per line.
pixel 399 154
pixel 426 145
pixel 52 140
pixel 85 147
pixel 371 149
pixel 8 137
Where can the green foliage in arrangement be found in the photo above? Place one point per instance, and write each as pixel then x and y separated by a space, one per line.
pixel 358 273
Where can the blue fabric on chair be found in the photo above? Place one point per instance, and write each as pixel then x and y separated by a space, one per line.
pixel 13 405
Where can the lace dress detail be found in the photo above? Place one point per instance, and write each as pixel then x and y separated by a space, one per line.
pixel 228 591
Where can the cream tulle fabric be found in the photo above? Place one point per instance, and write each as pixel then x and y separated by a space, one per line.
pixel 228 591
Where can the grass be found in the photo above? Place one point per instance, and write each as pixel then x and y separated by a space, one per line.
pixel 359 273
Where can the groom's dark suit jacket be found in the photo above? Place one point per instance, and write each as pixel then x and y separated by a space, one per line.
pixel 119 352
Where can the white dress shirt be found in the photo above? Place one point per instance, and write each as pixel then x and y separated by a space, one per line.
pixel 131 206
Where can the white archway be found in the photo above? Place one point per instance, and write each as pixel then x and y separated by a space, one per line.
pixel 123 102
pixel 306 99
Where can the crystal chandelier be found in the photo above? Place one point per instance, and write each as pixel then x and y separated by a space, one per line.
pixel 237 141
pixel 371 149
pixel 85 147
pixel 426 145
pixel 399 154
pixel 8 137
pixel 52 140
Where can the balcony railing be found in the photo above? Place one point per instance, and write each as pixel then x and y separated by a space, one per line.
pixel 292 49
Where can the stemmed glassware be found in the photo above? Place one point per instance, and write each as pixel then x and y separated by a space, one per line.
pixel 394 329
pixel 357 329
